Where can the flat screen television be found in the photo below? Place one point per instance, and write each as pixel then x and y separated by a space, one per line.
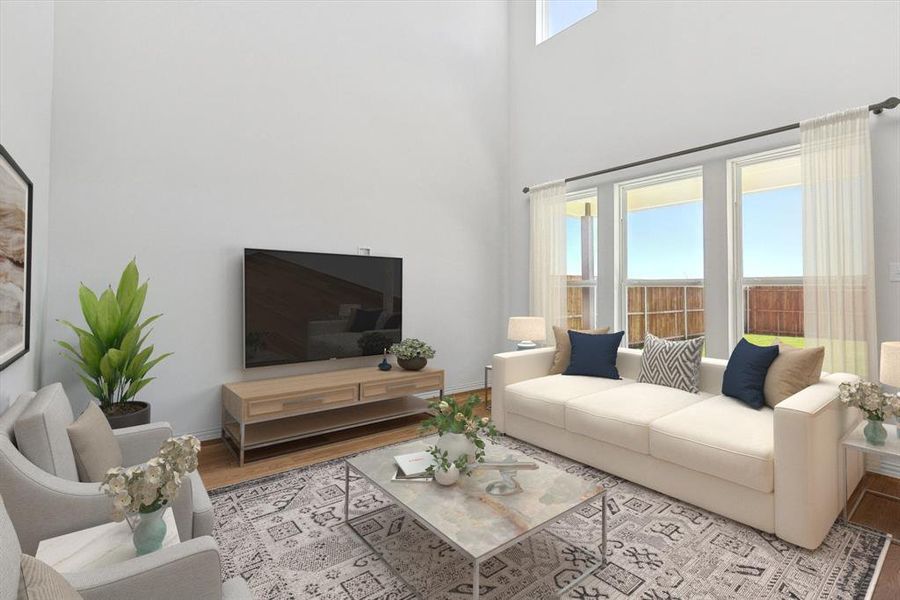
pixel 306 306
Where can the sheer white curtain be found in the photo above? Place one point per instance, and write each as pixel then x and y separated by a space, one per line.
pixel 548 254
pixel 838 246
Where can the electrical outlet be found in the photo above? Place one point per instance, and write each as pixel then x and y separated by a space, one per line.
pixel 895 271
pixel 364 251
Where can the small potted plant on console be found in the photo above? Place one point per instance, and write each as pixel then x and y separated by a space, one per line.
pixel 412 354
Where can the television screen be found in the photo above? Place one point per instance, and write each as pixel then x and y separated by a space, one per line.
pixel 304 306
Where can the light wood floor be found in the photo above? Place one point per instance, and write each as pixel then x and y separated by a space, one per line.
pixel 218 467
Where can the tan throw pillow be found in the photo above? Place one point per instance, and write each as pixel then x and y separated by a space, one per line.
pixel 40 582
pixel 793 370
pixel 563 353
pixel 94 445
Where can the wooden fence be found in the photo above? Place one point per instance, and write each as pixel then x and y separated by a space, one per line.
pixel 676 312
pixel 774 310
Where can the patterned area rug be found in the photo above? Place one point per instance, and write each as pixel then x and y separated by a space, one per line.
pixel 286 536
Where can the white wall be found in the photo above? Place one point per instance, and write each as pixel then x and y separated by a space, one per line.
pixel 640 79
pixel 184 132
pixel 26 73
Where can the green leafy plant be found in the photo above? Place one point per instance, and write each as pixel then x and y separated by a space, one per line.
pixel 450 416
pixel 442 462
pixel 411 348
pixel 110 353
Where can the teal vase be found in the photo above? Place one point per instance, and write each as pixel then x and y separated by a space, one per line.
pixel 875 432
pixel 150 532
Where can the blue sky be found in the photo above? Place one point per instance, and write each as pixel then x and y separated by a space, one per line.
pixel 667 243
pixel 564 13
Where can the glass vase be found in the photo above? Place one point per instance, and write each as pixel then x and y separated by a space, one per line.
pixel 875 432
pixel 150 532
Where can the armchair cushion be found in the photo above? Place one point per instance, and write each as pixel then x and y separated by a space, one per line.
pixel 40 582
pixel 94 445
pixel 41 432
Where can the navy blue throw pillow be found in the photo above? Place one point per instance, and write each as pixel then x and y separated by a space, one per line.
pixel 746 371
pixel 594 355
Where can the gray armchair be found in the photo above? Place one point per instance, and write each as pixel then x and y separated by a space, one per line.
pixel 187 571
pixel 45 500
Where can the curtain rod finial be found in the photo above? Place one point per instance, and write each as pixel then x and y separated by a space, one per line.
pixel 525 190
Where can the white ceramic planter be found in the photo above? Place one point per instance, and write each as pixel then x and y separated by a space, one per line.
pixel 456 445
pixel 448 477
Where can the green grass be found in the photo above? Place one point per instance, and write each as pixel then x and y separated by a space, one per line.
pixel 769 340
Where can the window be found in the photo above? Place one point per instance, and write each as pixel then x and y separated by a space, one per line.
pixel 555 15
pixel 661 256
pixel 766 214
pixel 581 258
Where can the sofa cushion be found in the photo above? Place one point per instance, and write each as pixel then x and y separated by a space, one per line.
pixel 94 444
pixel 594 355
pixel 671 363
pixel 563 353
pixel 794 369
pixel 745 374
pixel 720 436
pixel 543 399
pixel 41 432
pixel 622 415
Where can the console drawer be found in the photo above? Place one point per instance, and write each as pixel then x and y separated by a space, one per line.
pixel 413 384
pixel 294 404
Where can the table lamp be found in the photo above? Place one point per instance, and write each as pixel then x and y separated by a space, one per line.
pixel 526 330
pixel 889 373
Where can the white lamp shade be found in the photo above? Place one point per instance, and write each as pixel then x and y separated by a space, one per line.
pixel 890 364
pixel 526 328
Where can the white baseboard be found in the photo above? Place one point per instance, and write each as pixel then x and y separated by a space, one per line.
pixel 216 432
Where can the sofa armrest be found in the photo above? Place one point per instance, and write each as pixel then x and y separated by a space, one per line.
pixel 186 571
pixel 42 505
pixel 513 367
pixel 809 427
pixel 141 443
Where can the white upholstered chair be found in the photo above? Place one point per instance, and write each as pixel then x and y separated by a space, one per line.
pixel 43 496
pixel 187 571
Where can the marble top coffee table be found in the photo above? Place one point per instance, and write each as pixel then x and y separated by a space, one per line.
pixel 475 523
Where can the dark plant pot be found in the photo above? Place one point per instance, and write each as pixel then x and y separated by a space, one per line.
pixel 128 414
pixel 412 364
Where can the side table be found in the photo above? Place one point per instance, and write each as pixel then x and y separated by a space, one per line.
pixel 856 440
pixel 98 546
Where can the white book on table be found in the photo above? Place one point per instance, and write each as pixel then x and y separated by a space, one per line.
pixel 414 464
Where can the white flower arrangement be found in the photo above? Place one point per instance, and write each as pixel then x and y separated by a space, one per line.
pixel 149 487
pixel 869 398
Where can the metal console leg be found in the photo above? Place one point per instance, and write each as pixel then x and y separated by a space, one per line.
pixel 476 583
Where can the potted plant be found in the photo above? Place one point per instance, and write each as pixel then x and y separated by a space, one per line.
pixel 460 433
pixel 110 354
pixel 875 405
pixel 412 354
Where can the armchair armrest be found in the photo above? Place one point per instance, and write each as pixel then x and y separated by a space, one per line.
pixel 141 443
pixel 513 367
pixel 186 571
pixel 809 427
pixel 42 505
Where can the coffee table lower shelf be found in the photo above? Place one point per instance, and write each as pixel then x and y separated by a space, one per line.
pixel 270 433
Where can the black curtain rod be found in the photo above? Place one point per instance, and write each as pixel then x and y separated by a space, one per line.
pixel 875 108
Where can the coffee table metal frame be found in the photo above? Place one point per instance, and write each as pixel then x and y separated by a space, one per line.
pixel 593 563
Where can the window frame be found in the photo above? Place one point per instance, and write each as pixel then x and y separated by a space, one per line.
pixel 594 282
pixel 620 275
pixel 542 21
pixel 736 279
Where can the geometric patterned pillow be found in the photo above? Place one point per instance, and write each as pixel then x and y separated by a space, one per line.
pixel 672 364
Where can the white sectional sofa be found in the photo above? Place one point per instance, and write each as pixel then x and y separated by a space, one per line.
pixel 775 470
